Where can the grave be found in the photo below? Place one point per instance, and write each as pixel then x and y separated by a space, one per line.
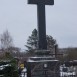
pixel 43 68
pixel 43 64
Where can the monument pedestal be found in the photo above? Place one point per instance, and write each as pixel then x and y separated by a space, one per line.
pixel 43 65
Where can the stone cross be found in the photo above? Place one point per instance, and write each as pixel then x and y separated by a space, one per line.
pixel 42 43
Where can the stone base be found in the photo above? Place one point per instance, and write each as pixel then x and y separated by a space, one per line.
pixel 42 52
pixel 43 65
pixel 42 55
pixel 43 68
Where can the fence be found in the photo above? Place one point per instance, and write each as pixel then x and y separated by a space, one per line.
pixel 64 72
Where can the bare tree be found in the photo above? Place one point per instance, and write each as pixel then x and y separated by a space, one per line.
pixel 6 40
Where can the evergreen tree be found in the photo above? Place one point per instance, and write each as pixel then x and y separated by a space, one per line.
pixel 50 42
pixel 32 42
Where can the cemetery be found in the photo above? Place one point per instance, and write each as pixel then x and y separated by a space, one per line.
pixel 43 63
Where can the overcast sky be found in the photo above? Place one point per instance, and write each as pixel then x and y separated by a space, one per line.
pixel 20 19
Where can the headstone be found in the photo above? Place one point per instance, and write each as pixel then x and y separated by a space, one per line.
pixel 42 65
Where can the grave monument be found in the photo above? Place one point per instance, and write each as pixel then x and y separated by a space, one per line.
pixel 42 43
pixel 42 65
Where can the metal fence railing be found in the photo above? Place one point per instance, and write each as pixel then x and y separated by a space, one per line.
pixel 54 75
pixel 64 72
